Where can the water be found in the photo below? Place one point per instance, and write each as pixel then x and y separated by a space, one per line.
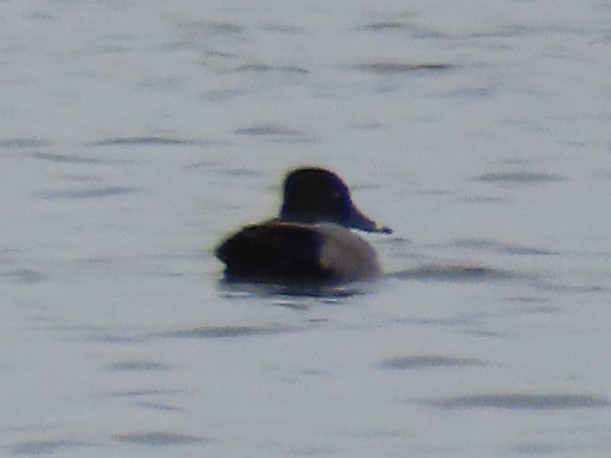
pixel 135 135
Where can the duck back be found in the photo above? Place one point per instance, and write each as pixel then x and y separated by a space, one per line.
pixel 283 252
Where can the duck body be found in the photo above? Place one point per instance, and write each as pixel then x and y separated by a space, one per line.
pixel 287 252
pixel 310 242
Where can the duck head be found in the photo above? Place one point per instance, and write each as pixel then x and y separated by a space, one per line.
pixel 314 195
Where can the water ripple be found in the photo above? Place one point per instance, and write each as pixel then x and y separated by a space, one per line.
pixel 520 177
pixel 503 247
pixel 146 140
pixel 267 129
pixel 21 143
pixel 224 331
pixel 522 401
pixel 384 25
pixel 218 28
pixel 43 447
pixel 158 406
pixel 142 393
pixel 396 68
pixel 263 68
pixel 425 361
pixel 275 133
pixel 284 294
pixel 87 193
pixel 22 276
pixel 454 273
pixel 537 449
pixel 158 438
pixel 136 366
pixel 65 158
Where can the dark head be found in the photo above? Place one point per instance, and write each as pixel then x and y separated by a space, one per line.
pixel 318 195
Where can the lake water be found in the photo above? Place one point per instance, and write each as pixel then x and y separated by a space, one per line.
pixel 135 135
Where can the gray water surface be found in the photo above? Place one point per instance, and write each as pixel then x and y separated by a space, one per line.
pixel 135 135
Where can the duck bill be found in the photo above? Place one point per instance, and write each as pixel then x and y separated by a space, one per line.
pixel 359 221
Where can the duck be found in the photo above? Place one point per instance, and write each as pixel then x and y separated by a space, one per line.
pixel 310 241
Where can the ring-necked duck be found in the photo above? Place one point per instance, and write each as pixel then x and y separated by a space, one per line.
pixel 310 242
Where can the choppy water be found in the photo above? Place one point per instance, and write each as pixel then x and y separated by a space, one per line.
pixel 135 134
